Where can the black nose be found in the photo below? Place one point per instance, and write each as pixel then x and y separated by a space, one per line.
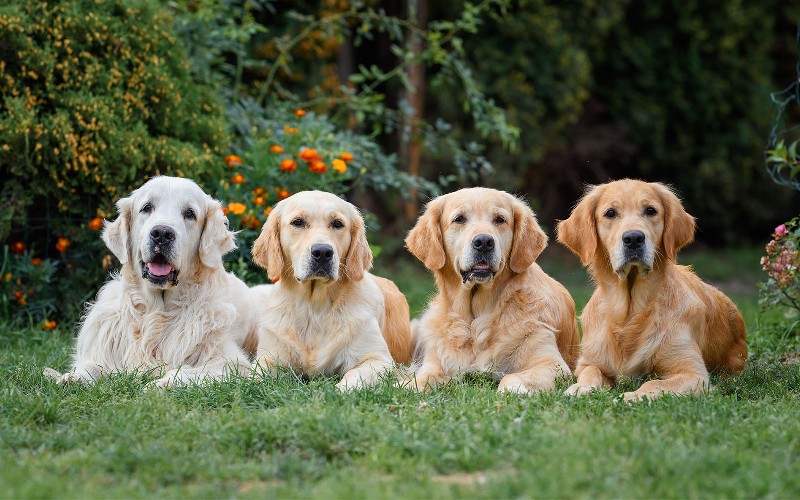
pixel 322 253
pixel 633 239
pixel 162 235
pixel 483 242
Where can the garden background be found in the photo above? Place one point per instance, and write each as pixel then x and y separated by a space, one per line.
pixel 389 103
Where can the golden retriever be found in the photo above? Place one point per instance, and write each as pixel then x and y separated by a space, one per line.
pixel 648 315
pixel 172 306
pixel 326 314
pixel 496 310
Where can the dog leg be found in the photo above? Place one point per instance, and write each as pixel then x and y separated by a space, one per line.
pixel 365 373
pixel 541 377
pixel 590 378
pixel 429 375
pixel 682 370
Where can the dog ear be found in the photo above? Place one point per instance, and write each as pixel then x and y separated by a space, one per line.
pixel 678 224
pixel 267 250
pixel 528 241
pixel 217 239
pixel 579 231
pixel 359 255
pixel 425 239
pixel 117 234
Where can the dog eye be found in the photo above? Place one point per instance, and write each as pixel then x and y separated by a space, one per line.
pixel 610 213
pixel 337 224
pixel 460 219
pixel 650 211
pixel 189 214
pixel 499 220
pixel 298 222
pixel 146 208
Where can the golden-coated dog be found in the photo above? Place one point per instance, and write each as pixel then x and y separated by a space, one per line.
pixel 496 310
pixel 326 314
pixel 648 315
pixel 172 306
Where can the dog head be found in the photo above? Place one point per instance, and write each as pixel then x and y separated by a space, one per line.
pixel 477 232
pixel 313 235
pixel 166 228
pixel 634 224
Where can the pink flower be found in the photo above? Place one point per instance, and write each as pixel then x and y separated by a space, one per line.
pixel 781 231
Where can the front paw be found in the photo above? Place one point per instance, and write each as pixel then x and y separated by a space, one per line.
pixel 513 384
pixel 638 397
pixel 577 390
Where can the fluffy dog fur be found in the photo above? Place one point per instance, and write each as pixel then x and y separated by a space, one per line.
pixel 647 316
pixel 172 306
pixel 496 310
pixel 326 314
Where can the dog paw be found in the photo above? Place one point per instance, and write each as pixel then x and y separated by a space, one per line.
pixel 513 384
pixel 51 374
pixel 577 390
pixel 635 397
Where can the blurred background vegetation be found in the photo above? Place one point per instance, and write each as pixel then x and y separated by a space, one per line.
pixel 535 97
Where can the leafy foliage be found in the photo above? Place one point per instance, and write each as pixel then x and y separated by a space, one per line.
pixel 782 265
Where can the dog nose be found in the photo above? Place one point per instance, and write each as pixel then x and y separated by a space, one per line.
pixel 633 239
pixel 162 235
pixel 483 242
pixel 321 252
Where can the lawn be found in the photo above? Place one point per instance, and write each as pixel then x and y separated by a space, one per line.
pixel 288 437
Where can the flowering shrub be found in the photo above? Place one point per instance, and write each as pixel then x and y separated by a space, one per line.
pixel 782 265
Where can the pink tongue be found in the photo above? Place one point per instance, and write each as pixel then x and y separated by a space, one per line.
pixel 481 265
pixel 159 269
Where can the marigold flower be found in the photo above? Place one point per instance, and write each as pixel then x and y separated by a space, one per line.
pixel 283 194
pixel 9 276
pixel 238 179
pixel 310 155
pixel 275 148
pixel 259 191
pixel 237 208
pixel 251 221
pixel 49 325
pixel 258 200
pixel 267 211
pixel 347 156
pixel 318 167
pixel 299 113
pixel 290 130
pixel 36 261
pixel 20 296
pixel 18 248
pixel 339 165
pixel 95 224
pixel 225 211
pixel 233 161
pixel 62 244
pixel 288 165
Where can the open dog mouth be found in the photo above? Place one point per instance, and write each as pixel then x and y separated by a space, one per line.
pixel 480 272
pixel 159 271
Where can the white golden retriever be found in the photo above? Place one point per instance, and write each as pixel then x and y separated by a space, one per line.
pixel 327 314
pixel 172 306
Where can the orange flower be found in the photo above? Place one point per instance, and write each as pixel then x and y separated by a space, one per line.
pixel 18 248
pixel 267 211
pixel 21 300
pixel 225 211
pixel 95 224
pixel 318 167
pixel 290 130
pixel 310 155
pixel 288 165
pixel 339 165
pixel 283 194
pixel 347 156
pixel 9 276
pixel 275 149
pixel 251 222
pixel 49 325
pixel 237 208
pixel 258 200
pixel 299 113
pixel 36 261
pixel 62 245
pixel 238 179
pixel 259 191
pixel 233 161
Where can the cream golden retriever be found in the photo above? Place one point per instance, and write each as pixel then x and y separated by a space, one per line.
pixel 326 314
pixel 496 310
pixel 172 307
pixel 648 315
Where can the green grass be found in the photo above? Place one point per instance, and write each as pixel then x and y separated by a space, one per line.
pixel 287 437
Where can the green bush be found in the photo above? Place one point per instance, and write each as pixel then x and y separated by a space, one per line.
pixel 97 95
